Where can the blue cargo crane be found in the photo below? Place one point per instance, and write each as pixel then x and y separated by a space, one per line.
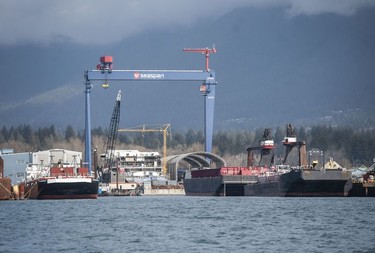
pixel 104 72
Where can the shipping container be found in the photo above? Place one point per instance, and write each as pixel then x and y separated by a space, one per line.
pixel 58 171
pixel 83 171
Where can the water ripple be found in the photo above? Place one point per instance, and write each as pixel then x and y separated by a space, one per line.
pixel 189 224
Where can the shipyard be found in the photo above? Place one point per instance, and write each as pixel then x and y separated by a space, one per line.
pixel 187 126
pixel 66 174
pixel 61 174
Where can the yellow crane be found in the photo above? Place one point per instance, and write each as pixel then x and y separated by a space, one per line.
pixel 153 128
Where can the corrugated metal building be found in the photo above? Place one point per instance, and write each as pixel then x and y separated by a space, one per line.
pixel 14 164
pixel 55 156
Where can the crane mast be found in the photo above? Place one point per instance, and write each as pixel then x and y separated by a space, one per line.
pixel 290 142
pixel 112 136
pixel 266 148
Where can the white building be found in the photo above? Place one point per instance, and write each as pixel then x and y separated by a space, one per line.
pixel 14 164
pixel 19 166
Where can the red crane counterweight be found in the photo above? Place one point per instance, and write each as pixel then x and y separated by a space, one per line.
pixel 106 63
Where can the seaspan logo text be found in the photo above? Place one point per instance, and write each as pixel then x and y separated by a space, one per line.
pixel 148 76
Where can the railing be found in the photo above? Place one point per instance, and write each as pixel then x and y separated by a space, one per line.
pixel 66 175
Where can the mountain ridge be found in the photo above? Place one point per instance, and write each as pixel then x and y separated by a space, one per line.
pixel 269 67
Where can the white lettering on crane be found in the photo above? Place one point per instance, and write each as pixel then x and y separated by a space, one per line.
pixel 138 75
pixel 152 76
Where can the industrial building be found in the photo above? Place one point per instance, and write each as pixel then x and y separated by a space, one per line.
pixel 14 165
pixel 43 160
pixel 18 166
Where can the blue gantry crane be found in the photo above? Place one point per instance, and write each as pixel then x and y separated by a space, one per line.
pixel 104 72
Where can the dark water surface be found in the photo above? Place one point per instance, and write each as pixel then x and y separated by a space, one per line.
pixel 189 224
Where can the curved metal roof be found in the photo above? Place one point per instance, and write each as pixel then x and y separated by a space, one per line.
pixel 195 160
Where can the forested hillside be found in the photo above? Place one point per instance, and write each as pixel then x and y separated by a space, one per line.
pixel 345 145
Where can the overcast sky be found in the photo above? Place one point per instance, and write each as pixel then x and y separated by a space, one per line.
pixel 102 22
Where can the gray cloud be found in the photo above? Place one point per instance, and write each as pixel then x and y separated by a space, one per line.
pixel 55 96
pixel 102 22
pixel 315 7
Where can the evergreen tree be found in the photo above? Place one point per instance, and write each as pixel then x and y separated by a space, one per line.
pixel 302 134
pixel 28 134
pixel 190 137
pixel 151 140
pixel 97 131
pixel 5 134
pixel 279 134
pixel 123 138
pixel 200 137
pixel 69 133
pixel 242 142
pixel 221 140
pixel 52 131
pixel 178 139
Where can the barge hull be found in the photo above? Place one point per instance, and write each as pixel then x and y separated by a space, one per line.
pixel 296 183
pixel 75 190
pixel 222 185
pixel 359 189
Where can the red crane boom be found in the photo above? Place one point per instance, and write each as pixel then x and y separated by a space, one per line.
pixel 206 51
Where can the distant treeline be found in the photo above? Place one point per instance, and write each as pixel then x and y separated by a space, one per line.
pixel 354 147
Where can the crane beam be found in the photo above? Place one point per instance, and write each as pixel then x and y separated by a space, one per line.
pixel 150 75
pixel 143 128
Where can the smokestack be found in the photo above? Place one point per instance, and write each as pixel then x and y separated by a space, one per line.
pixel 302 154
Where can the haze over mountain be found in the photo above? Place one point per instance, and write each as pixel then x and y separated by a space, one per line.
pixel 276 63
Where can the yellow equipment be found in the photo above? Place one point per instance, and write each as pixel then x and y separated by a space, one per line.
pixel 153 128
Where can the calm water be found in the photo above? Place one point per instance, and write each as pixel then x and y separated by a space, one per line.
pixel 189 224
